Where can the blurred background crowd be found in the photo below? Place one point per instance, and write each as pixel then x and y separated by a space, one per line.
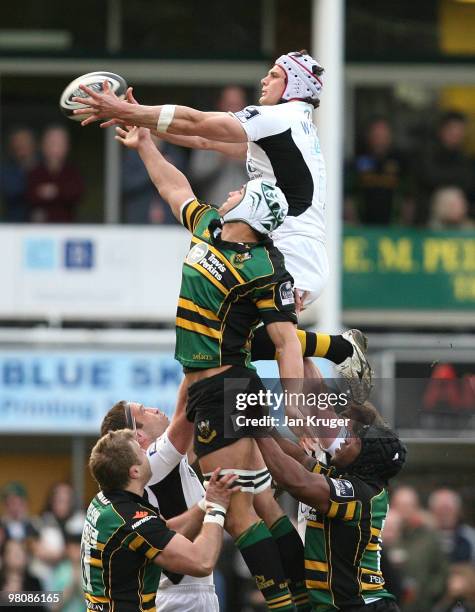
pixel 429 184
pixel 428 551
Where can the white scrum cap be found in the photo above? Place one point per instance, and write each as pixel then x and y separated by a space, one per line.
pixel 263 207
pixel 304 78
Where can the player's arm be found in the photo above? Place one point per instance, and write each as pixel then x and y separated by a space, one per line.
pixel 234 150
pixel 180 430
pixel 189 523
pixel 288 349
pixel 198 558
pixel 305 486
pixel 276 306
pixel 295 451
pixel 181 120
pixel 170 182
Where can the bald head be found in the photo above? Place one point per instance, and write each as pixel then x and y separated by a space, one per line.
pixel 445 506
pixel 405 501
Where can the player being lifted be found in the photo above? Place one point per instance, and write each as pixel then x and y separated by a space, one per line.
pixel 233 278
pixel 280 142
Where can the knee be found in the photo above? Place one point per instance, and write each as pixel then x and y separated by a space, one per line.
pixel 267 507
pixel 239 519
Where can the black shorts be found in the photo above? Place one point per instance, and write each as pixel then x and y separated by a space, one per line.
pixel 213 407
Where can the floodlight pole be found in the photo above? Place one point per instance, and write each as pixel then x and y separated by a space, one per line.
pixel 112 149
pixel 328 48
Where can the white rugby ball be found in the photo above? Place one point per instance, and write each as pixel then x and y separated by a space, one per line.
pixel 95 81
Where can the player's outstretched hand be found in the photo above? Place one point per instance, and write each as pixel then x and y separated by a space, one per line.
pixel 132 137
pixel 129 96
pixel 99 105
pixel 220 491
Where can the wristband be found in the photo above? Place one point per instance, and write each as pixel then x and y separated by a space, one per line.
pixel 166 117
pixel 215 515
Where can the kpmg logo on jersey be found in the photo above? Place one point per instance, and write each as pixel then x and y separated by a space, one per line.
pixel 247 113
pixel 197 253
pixel 343 488
pixel 286 293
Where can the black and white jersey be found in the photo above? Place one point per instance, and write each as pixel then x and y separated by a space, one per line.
pixel 173 488
pixel 284 148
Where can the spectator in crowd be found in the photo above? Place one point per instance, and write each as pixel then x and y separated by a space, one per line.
pixel 67 577
pixel 391 555
pixel 213 174
pixel 449 210
pixel 141 202
pixel 55 185
pixel 15 574
pixel 60 516
pixel 457 539
pixel 14 172
pixel 421 559
pixel 15 517
pixel 375 178
pixel 444 164
pixel 460 595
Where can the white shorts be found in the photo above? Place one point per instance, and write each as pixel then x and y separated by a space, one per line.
pixel 307 261
pixel 187 598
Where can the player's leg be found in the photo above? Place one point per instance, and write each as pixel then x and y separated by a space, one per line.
pixel 250 533
pixel 347 351
pixel 206 405
pixel 289 543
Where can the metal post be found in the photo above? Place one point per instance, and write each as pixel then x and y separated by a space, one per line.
pixel 114 26
pixel 112 153
pixel 112 180
pixel 78 464
pixel 327 47
pixel 268 27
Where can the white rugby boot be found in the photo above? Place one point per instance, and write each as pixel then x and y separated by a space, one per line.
pixel 356 369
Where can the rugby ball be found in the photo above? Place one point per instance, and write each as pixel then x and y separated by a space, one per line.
pixel 95 81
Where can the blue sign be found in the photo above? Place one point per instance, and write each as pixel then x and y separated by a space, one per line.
pixel 40 254
pixel 79 254
pixel 70 391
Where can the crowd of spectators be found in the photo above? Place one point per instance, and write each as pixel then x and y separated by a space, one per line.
pixel 38 183
pixel 42 553
pixel 432 185
pixel 428 552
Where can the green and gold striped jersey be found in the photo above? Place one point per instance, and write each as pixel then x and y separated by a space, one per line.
pixel 122 536
pixel 227 289
pixel 343 545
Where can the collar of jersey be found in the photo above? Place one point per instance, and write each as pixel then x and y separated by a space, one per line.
pixel 120 493
pixel 215 228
